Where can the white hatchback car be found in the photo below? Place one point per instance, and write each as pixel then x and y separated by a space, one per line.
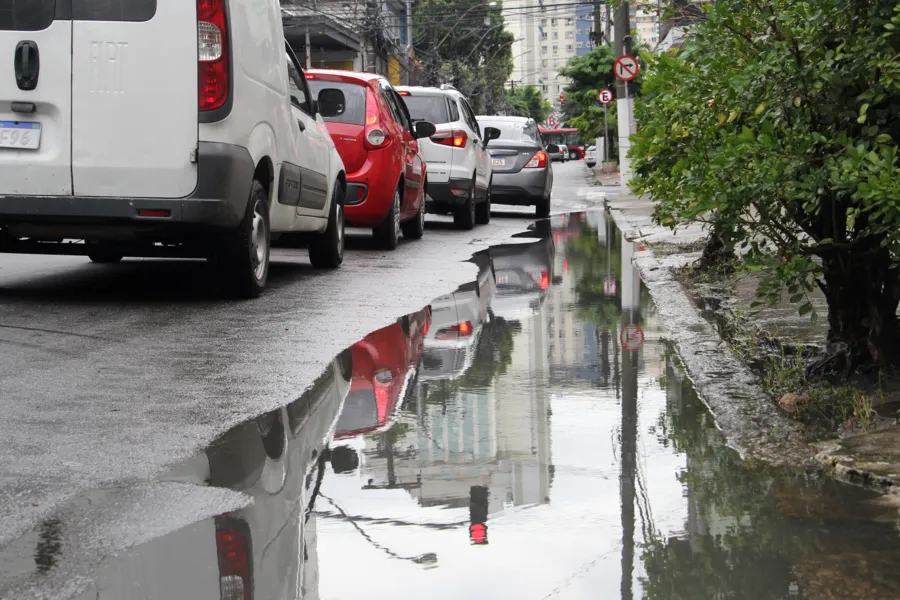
pixel 106 138
pixel 459 167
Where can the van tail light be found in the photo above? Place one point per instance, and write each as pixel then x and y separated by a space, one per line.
pixel 454 139
pixel 235 559
pixel 375 136
pixel 538 160
pixel 212 53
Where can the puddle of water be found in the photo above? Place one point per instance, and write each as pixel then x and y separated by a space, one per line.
pixel 530 435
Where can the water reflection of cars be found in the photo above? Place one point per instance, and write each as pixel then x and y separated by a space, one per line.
pixel 457 320
pixel 523 274
pixel 257 552
pixel 384 362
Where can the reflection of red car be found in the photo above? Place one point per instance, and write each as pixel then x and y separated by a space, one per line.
pixel 382 363
pixel 377 140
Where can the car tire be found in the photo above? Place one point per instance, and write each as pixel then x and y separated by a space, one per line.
pixel 414 229
pixel 542 209
pixel 464 216
pixel 326 251
pixel 102 254
pixel 387 235
pixel 483 210
pixel 243 254
pixel 573 155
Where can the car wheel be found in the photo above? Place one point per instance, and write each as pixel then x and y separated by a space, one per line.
pixel 573 156
pixel 542 210
pixel 327 249
pixel 243 255
pixel 415 229
pixel 104 254
pixel 387 235
pixel 464 216
pixel 483 210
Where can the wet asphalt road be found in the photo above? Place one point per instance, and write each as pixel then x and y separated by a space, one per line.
pixel 110 374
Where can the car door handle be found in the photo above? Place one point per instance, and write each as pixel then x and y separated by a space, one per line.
pixel 28 65
pixel 301 125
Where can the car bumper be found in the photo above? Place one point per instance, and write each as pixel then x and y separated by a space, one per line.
pixel 224 174
pixel 441 193
pixel 525 187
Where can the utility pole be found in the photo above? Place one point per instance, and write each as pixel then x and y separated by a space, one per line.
pixel 624 102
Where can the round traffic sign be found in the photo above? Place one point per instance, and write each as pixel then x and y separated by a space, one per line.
pixel 626 67
pixel 605 96
pixel 610 287
pixel 632 338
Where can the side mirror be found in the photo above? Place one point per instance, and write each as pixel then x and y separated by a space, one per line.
pixel 491 133
pixel 424 129
pixel 331 103
pixel 552 148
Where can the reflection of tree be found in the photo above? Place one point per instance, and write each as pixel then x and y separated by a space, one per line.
pixel 752 530
pixel 591 263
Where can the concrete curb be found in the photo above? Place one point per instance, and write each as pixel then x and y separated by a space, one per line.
pixel 752 425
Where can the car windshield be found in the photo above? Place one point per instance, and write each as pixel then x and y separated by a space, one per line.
pixel 354 96
pixel 427 108
pixel 513 130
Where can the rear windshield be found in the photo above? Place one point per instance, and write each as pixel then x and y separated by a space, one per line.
pixel 515 131
pixel 36 15
pixel 360 412
pixel 355 96
pixel 427 108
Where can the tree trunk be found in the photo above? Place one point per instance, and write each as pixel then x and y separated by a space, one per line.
pixel 862 292
pixel 717 251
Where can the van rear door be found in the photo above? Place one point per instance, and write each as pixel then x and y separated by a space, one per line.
pixel 35 97
pixel 134 97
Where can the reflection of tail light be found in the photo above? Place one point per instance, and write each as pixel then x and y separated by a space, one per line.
pixel 478 514
pixel 545 280
pixel 425 328
pixel 463 329
pixel 383 381
pixel 233 544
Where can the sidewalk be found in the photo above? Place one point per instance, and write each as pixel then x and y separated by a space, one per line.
pixel 751 421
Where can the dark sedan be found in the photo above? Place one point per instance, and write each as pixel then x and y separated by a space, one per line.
pixel 521 166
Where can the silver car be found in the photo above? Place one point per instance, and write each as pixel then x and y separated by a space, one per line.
pixel 521 164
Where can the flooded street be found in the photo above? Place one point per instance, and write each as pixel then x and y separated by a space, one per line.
pixel 531 435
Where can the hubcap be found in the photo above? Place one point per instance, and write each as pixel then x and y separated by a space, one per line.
pixel 339 223
pixel 259 248
pixel 397 214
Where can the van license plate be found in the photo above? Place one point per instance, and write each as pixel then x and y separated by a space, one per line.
pixel 498 162
pixel 20 135
pixel 502 279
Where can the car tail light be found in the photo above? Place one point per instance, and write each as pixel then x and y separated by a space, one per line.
pixel 538 160
pixel 233 546
pixel 459 330
pixel 454 139
pixel 212 53
pixel 403 93
pixel 375 137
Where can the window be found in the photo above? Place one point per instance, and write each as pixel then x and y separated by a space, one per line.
pixel 354 96
pixel 469 116
pixel 428 108
pixel 454 110
pixel 570 35
pixel 570 21
pixel 543 49
pixel 388 96
pixel 543 21
pixel 544 63
pixel 544 89
pixel 555 35
pixel 297 86
pixel 110 10
pixel 543 35
pixel 555 49
pixel 569 48
pixel 579 44
pixel 553 21
pixel 37 15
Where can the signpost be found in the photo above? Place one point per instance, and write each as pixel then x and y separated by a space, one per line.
pixel 605 97
pixel 610 287
pixel 632 338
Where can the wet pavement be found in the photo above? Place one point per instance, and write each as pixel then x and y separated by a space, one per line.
pixel 530 435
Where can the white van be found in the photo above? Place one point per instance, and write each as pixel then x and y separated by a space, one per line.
pixel 162 128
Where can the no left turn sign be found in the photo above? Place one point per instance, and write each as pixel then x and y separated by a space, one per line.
pixel 626 68
pixel 605 96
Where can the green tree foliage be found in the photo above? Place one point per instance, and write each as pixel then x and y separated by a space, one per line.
pixel 456 45
pixel 528 101
pixel 778 124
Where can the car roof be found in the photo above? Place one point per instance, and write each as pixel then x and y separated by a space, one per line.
pixel 339 75
pixel 509 119
pixel 427 91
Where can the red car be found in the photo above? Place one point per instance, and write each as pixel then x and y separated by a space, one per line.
pixel 377 140
pixel 383 363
